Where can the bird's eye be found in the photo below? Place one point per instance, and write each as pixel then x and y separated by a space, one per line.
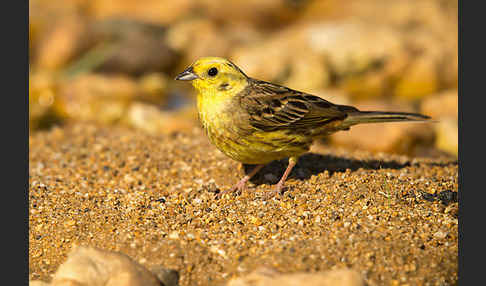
pixel 212 71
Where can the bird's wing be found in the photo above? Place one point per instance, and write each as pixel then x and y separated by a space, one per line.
pixel 273 107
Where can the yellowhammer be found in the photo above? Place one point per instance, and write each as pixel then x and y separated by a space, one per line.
pixel 256 122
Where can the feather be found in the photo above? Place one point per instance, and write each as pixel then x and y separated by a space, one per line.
pixel 272 107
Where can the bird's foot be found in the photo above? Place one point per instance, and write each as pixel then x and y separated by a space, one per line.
pixel 238 187
pixel 279 186
pixel 277 190
pixel 241 185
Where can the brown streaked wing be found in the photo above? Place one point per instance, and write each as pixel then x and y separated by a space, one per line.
pixel 273 107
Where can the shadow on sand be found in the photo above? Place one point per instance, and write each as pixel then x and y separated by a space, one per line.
pixel 313 164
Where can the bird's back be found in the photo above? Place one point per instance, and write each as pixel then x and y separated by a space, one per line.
pixel 265 122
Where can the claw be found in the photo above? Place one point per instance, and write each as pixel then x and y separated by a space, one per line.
pixel 241 185
pixel 276 191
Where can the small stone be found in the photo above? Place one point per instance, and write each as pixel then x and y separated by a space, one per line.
pixel 221 252
pixel 38 283
pixel 69 223
pixel 151 119
pixel 260 277
pixel 168 277
pixel 441 105
pixel 174 235
pixel 428 197
pixel 419 80
pixel 62 44
pixel 447 138
pixel 440 234
pixel 92 266
pixel 255 220
pixel 447 197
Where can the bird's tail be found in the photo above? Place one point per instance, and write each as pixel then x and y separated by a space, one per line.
pixel 359 117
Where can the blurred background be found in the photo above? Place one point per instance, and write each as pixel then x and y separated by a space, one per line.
pixel 113 62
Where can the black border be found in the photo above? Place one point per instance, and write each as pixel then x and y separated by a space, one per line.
pixel 470 106
pixel 15 118
pixel 460 194
pixel 15 115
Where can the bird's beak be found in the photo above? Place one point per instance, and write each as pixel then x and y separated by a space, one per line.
pixel 187 74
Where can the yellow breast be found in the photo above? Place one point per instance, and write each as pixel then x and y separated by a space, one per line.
pixel 255 147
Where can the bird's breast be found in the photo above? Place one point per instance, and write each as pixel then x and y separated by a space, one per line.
pixel 229 132
pixel 213 111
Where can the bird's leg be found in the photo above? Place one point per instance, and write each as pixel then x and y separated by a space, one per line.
pixel 242 183
pixel 278 187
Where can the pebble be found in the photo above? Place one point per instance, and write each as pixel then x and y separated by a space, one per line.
pixel 270 277
pixel 93 266
pixel 440 235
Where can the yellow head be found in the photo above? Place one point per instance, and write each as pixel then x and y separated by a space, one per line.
pixel 213 76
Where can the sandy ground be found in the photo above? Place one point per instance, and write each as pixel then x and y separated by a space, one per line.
pixel 392 218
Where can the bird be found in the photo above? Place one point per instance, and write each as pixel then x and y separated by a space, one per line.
pixel 256 122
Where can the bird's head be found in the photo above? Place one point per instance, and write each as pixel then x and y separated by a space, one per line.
pixel 213 75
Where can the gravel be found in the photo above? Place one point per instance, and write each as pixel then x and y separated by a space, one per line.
pixel 392 218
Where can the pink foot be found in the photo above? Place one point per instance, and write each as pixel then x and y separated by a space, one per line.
pixel 241 185
pixel 279 186
pixel 275 191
